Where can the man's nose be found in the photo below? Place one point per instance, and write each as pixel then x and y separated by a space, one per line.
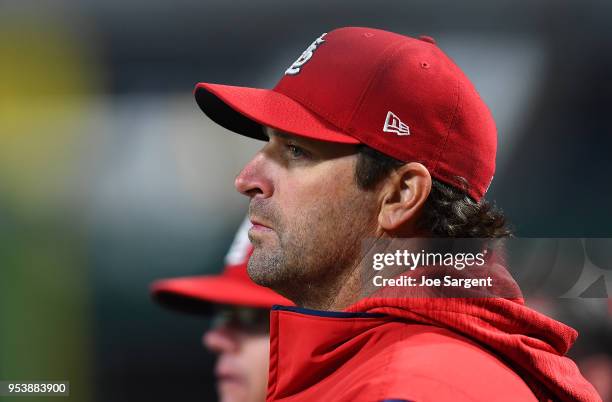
pixel 254 179
pixel 220 340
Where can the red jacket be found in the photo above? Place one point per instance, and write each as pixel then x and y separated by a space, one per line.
pixel 382 349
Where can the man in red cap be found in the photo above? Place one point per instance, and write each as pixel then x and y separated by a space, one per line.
pixel 240 331
pixel 377 136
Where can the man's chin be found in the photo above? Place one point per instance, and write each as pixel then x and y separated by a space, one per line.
pixel 232 390
pixel 263 266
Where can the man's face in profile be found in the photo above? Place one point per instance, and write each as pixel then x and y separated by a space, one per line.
pixel 241 339
pixel 309 215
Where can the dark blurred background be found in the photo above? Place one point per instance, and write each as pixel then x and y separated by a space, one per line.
pixel 110 176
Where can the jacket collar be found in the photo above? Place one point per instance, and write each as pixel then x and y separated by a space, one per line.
pixel 311 341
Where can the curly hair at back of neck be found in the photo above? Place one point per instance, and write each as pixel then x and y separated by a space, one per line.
pixel 448 211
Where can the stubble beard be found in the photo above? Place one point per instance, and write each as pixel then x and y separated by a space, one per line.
pixel 308 261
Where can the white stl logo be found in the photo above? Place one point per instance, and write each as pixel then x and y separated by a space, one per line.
pixel 393 124
pixel 240 247
pixel 297 65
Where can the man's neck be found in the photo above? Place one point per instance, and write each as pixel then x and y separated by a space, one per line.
pixel 338 294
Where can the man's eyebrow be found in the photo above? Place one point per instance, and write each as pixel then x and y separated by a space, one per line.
pixel 272 132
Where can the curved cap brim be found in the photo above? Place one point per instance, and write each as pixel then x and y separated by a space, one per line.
pixel 245 110
pixel 198 294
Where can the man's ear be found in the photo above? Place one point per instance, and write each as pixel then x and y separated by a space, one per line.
pixel 403 197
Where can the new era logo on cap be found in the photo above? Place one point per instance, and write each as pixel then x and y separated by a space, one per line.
pixel 393 124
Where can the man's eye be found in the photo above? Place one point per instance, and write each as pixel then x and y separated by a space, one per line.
pixel 295 152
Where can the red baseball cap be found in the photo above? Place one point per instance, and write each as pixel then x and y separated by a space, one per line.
pixel 198 294
pixel 399 95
